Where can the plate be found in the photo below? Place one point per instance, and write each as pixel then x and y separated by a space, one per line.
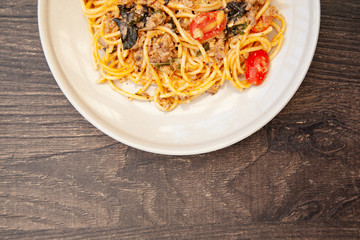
pixel 208 123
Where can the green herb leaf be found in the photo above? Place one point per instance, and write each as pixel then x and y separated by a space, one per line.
pixel 206 47
pixel 236 29
pixel 129 33
pixel 235 10
pixel 161 64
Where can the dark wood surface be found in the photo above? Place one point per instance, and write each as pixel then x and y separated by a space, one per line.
pixel 296 178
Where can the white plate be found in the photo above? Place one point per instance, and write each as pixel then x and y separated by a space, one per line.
pixel 206 124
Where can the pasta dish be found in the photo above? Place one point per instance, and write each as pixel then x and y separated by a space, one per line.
pixel 173 51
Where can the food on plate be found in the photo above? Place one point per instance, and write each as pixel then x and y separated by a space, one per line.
pixel 173 51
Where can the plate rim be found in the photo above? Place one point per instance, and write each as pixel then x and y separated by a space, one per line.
pixel 76 103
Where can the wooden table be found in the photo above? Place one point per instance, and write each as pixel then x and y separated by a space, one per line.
pixel 298 177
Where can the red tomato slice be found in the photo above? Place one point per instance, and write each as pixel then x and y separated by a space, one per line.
pixel 257 67
pixel 207 25
pixel 262 24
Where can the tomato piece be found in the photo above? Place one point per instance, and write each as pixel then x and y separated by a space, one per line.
pixel 207 25
pixel 257 67
pixel 262 24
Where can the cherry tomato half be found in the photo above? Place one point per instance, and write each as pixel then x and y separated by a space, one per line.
pixel 262 24
pixel 207 25
pixel 257 67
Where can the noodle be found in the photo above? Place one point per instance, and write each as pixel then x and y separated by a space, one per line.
pixel 157 50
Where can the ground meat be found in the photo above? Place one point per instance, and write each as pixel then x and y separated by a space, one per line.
pixel 125 2
pixel 110 25
pixel 209 1
pixel 271 11
pixel 162 49
pixel 185 23
pixel 253 2
pixel 140 41
pixel 144 2
pixel 167 69
pixel 251 15
pixel 156 19
pixel 216 50
pixel 214 89
pixel 188 3
pixel 139 57
pixel 169 25
pixel 166 102
pixel 138 51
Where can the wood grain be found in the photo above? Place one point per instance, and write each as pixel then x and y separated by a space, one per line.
pixel 296 178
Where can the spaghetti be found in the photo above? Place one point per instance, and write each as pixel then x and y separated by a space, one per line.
pixel 176 50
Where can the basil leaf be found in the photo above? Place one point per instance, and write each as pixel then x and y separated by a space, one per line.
pixel 206 46
pixel 236 29
pixel 236 10
pixel 129 33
